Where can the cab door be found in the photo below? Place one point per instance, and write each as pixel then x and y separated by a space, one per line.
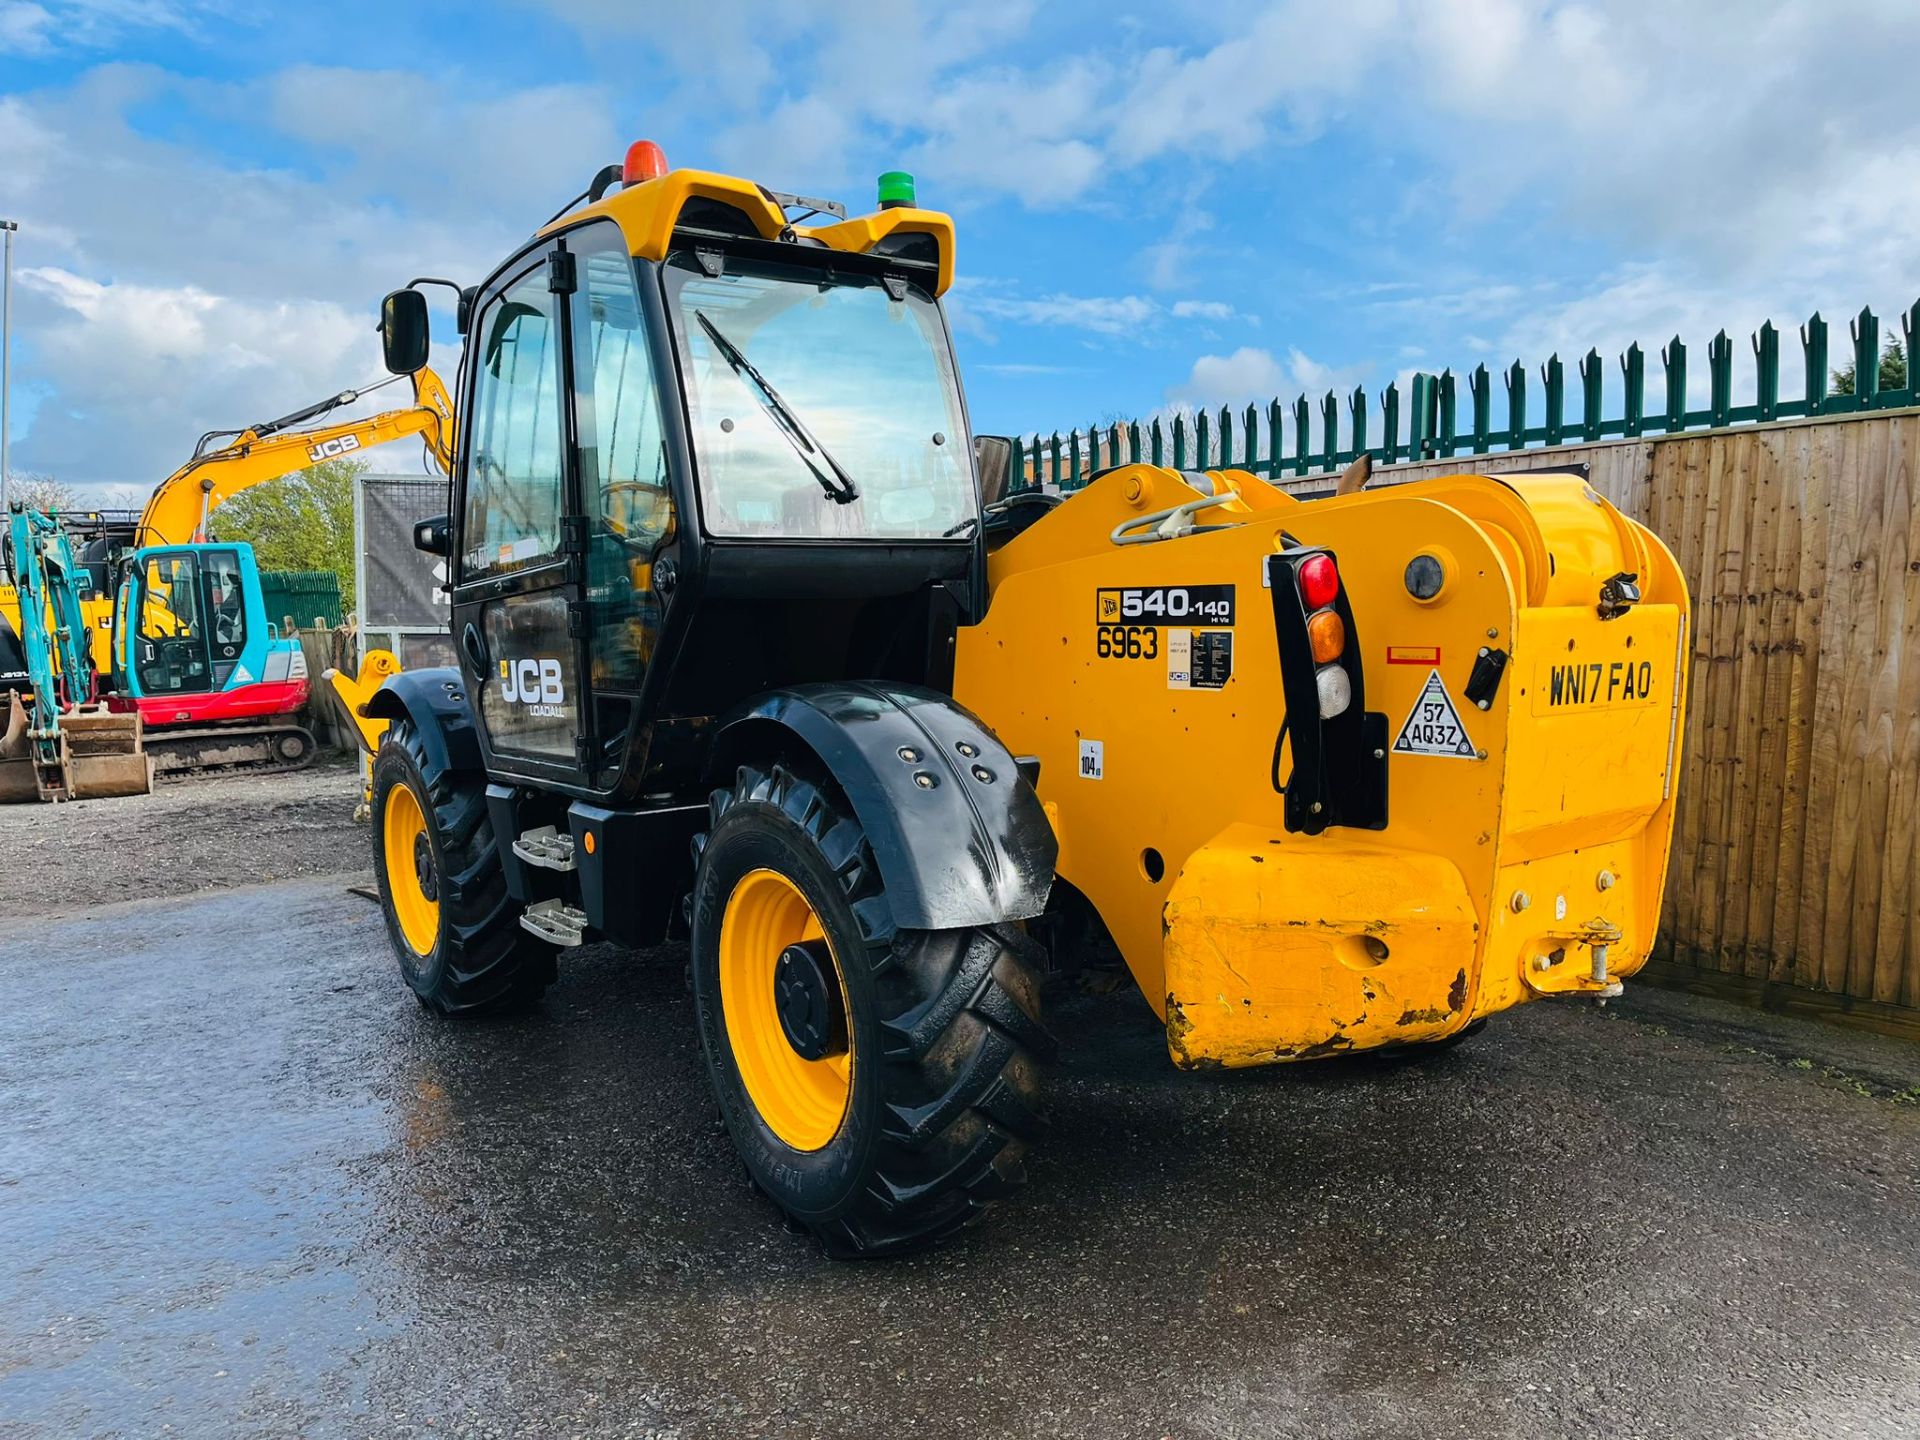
pixel 518 592
pixel 171 634
pixel 569 504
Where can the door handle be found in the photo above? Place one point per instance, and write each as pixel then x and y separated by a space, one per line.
pixel 475 649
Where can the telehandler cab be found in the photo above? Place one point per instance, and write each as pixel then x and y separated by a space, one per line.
pixel 743 655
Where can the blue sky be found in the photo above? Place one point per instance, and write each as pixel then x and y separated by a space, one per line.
pixel 1188 203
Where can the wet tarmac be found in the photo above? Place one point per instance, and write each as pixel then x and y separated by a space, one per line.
pixel 248 1187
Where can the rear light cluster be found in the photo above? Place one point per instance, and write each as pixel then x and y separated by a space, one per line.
pixel 1319 581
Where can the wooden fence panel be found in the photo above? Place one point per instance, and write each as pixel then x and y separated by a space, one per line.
pixel 1795 855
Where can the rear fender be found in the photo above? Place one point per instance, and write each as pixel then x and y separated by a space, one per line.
pixel 960 839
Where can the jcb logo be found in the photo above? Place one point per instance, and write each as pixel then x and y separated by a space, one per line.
pixel 533 683
pixel 333 449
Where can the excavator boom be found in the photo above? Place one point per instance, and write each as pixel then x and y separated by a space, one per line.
pixel 178 511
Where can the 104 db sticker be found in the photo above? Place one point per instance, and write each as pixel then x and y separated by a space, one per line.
pixel 1165 605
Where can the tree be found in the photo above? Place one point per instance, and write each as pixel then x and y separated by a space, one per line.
pixel 1893 371
pixel 42 492
pixel 302 521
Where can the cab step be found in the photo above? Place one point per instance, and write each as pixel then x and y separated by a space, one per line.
pixel 556 922
pixel 547 848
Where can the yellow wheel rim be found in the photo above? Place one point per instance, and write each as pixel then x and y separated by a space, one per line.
pixel 802 1100
pixel 411 878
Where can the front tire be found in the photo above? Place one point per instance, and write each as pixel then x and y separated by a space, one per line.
pixel 882 1086
pixel 449 916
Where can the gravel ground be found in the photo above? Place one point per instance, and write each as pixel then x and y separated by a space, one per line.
pixel 248 1187
pixel 188 836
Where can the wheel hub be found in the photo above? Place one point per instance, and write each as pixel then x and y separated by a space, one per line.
pixel 807 999
pixel 423 867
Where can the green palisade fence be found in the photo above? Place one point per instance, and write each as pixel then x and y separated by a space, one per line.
pixel 1426 424
pixel 303 594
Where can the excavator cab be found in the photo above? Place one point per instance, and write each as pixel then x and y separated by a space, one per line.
pixel 194 628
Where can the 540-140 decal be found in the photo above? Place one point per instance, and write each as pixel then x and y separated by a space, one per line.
pixel 1197 619
pixel 1165 605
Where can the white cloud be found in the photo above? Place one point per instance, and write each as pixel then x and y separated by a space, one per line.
pixel 442 140
pixel 141 370
pixel 1112 315
pixel 169 294
pixel 1252 375
pixel 28 27
pixel 1102 314
pixel 25 28
pixel 1170 262
pixel 1011 132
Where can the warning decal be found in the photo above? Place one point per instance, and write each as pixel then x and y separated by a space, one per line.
pixel 1199 659
pixel 1434 727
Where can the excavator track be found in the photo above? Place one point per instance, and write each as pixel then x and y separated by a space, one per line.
pixel 230 749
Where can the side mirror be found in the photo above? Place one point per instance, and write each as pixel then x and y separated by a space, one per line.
pixel 430 536
pixel 993 459
pixel 403 331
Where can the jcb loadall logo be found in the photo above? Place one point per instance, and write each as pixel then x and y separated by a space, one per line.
pixel 535 684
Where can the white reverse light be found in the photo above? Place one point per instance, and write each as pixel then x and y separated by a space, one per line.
pixel 1336 691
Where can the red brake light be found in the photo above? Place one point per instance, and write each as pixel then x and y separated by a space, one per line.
pixel 645 161
pixel 1319 581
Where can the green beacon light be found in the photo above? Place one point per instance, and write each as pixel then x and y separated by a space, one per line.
pixel 896 190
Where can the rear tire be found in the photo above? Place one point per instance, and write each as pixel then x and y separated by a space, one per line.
pixel 938 1032
pixel 449 917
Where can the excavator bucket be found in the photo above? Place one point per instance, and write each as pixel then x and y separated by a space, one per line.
pixel 100 753
pixel 17 776
pixel 103 752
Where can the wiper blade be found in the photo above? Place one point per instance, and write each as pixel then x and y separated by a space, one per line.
pixel 833 477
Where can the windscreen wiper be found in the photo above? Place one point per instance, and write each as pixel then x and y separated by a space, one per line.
pixel 833 478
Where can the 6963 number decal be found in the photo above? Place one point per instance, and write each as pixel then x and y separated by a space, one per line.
pixel 1126 642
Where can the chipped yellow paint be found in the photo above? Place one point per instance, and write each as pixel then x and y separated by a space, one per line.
pixel 1257 945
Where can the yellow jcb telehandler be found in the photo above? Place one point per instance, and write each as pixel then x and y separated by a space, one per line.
pixel 746 654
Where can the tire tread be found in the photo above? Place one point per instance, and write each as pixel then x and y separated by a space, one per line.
pixel 961 1049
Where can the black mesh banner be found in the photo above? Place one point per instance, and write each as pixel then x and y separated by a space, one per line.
pixel 400 588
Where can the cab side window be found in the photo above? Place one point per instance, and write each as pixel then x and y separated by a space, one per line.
pixel 226 601
pixel 623 462
pixel 513 493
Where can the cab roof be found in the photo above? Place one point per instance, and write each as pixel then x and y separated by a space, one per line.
pixel 648 212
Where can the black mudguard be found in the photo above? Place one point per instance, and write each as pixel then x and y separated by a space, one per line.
pixel 955 848
pixel 436 702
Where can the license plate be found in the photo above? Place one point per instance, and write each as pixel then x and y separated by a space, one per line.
pixel 1575 683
